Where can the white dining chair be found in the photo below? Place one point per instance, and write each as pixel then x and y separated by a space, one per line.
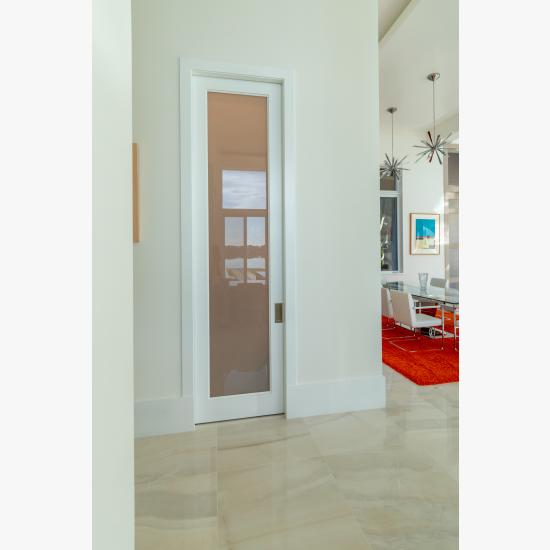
pixel 405 314
pixel 387 310
pixel 442 283
pixel 437 282
pixel 421 304
pixel 456 322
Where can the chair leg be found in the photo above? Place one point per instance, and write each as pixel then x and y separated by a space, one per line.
pixel 442 328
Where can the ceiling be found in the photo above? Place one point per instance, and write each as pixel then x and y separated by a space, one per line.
pixel 388 12
pixel 421 38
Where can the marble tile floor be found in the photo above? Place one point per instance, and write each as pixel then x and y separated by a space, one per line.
pixel 374 480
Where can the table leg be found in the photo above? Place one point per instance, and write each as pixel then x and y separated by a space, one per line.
pixel 442 326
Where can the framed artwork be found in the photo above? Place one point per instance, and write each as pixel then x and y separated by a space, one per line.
pixel 424 234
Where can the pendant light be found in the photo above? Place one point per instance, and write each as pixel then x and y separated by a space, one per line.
pixel 391 168
pixel 433 145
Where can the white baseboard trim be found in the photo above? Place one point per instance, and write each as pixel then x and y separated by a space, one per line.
pixel 166 416
pixel 163 416
pixel 336 396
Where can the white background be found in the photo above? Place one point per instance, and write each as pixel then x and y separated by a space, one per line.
pixel 45 275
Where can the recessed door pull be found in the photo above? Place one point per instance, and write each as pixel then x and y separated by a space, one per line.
pixel 279 313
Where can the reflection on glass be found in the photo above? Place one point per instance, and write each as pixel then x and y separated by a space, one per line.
pixel 255 231
pixel 234 270
pixel 255 270
pixel 234 231
pixel 238 244
pixel 244 189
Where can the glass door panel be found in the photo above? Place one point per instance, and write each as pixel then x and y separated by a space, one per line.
pixel 238 244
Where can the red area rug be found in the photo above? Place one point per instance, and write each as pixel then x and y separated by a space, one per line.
pixel 425 367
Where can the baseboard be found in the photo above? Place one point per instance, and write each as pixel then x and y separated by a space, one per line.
pixel 336 396
pixel 163 416
pixel 166 416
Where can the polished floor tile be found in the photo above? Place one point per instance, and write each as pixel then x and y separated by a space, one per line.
pixel 177 512
pixel 258 441
pixel 279 498
pixel 346 433
pixel 384 479
pixel 342 533
pixel 175 455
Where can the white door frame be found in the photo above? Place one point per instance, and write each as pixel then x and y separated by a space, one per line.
pixel 189 164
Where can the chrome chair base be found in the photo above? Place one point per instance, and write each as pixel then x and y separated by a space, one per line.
pixel 416 338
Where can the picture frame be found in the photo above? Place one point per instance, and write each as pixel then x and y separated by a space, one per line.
pixel 424 234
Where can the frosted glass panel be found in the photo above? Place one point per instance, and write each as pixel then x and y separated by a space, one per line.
pixel 238 244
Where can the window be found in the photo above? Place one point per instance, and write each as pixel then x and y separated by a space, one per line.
pixel 390 224
pixel 451 171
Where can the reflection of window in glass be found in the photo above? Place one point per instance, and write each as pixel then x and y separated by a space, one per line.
pixel 255 231
pixel 234 231
pixel 234 270
pixel 255 270
pixel 244 189
pixel 390 225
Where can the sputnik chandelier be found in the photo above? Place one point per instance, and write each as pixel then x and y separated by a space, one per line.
pixel 391 168
pixel 433 145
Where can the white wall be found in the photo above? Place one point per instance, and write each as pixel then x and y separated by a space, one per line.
pixel 422 192
pixel 332 47
pixel 112 382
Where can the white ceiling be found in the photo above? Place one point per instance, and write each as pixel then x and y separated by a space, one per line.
pixel 388 12
pixel 424 39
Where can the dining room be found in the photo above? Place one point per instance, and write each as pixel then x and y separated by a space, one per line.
pixel 419 201
pixel 420 309
pixel 420 297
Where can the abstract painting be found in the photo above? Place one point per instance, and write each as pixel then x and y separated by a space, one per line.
pixel 425 234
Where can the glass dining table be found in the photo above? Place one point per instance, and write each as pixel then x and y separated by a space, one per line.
pixel 446 298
